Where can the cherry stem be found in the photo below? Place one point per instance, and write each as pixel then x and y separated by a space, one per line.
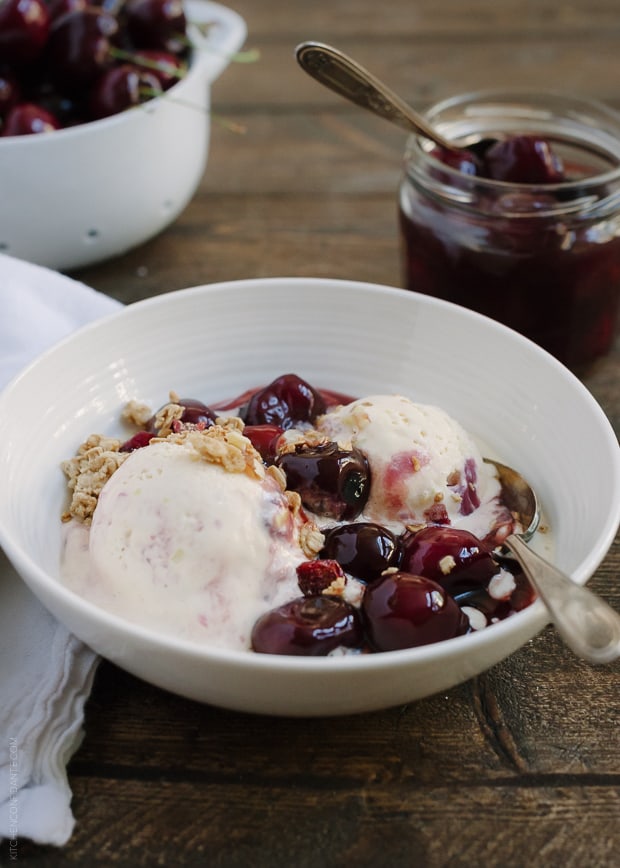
pixel 249 55
pixel 233 126
pixel 150 93
pixel 157 66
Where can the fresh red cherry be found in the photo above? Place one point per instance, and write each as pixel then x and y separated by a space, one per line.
pixel 307 626
pixel 158 24
pixel 57 8
pixel 26 119
pixel 9 92
pixel 120 88
pixel 264 439
pixel 168 67
pixel 331 481
pixel 524 159
pixel 364 549
pixel 79 48
pixel 66 109
pixel 24 29
pixel 454 558
pixel 401 610
pixel 285 402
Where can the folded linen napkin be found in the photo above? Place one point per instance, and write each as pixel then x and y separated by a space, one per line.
pixel 47 673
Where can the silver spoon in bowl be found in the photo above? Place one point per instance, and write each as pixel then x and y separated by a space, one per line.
pixel 339 72
pixel 586 623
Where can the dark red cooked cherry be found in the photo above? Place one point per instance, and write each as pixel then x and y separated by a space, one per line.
pixel 465 161
pixel 493 609
pixel 194 413
pixel 315 577
pixel 120 88
pixel 142 438
pixel 523 159
pixel 364 549
pixel 308 626
pixel 401 610
pixel 168 67
pixel 79 48
pixel 264 439
pixel 332 482
pixel 523 594
pixel 482 601
pixel 24 29
pixel 454 558
pixel 26 119
pixel 158 24
pixel 287 401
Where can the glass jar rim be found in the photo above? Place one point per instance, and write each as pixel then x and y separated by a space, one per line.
pixel 543 109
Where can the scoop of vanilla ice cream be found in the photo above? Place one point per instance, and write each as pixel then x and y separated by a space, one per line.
pixel 424 466
pixel 185 546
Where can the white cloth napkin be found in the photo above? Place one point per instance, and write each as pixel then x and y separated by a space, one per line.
pixel 47 673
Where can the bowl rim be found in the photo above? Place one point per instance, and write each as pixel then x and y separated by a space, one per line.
pixel 535 615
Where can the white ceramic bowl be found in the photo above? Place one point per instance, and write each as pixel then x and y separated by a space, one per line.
pixel 214 342
pixel 84 194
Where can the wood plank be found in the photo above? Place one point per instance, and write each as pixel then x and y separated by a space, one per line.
pixel 492 731
pixel 428 71
pixel 163 822
pixel 452 19
pixel 246 236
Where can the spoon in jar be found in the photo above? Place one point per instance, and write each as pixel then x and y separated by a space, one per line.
pixel 339 72
pixel 586 623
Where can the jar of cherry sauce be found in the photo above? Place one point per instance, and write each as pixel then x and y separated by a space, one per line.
pixel 543 257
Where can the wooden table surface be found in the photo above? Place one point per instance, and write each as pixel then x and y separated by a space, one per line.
pixel 518 767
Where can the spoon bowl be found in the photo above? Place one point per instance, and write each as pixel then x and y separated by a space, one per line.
pixel 586 623
pixel 519 497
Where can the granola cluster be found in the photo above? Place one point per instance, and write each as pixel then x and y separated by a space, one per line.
pixel 88 471
pixel 221 444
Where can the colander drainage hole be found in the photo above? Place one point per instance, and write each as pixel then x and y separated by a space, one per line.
pixel 91 236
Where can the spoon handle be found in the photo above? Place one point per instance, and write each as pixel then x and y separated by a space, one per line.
pixel 586 623
pixel 349 79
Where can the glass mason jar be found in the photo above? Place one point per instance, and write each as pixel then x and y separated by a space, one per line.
pixel 543 259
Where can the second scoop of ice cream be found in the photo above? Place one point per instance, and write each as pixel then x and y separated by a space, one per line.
pixel 425 467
